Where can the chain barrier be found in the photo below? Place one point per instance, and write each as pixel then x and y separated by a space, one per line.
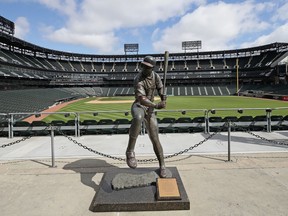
pixel 258 136
pixel 21 140
pixel 143 160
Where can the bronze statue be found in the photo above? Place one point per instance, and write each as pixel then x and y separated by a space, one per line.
pixel 145 84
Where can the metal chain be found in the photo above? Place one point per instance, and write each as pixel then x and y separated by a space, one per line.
pixel 21 140
pixel 88 148
pixel 15 142
pixel 258 136
pixel 144 160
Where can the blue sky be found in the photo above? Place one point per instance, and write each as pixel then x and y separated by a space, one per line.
pixel 104 26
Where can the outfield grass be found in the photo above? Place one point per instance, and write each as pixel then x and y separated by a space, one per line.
pixel 175 104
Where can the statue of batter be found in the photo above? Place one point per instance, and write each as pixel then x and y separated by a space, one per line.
pixel 145 84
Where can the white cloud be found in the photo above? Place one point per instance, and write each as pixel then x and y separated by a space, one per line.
pixel 282 14
pixel 94 23
pixel 217 25
pixel 22 27
pixel 280 34
pixel 98 41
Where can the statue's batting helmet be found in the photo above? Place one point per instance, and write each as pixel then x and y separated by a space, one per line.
pixel 149 61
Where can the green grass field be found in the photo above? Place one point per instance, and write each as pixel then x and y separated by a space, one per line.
pixel 174 107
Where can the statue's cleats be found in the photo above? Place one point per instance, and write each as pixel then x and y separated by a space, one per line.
pixel 131 160
pixel 162 172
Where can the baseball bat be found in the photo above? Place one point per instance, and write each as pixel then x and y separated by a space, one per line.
pixel 166 56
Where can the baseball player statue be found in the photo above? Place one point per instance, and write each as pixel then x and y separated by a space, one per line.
pixel 146 83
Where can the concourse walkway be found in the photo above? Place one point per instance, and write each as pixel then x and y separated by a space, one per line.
pixel 253 182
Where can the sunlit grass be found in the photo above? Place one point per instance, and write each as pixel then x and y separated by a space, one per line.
pixel 175 104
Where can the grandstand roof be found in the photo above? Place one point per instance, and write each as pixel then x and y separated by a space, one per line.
pixel 10 40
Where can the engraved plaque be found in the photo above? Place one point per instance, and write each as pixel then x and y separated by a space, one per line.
pixel 167 189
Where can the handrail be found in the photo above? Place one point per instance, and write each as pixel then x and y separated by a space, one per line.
pixel 206 112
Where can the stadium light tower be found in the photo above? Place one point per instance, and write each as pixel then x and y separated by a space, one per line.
pixel 190 45
pixel 131 48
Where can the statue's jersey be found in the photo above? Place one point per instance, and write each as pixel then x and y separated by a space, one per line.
pixel 146 86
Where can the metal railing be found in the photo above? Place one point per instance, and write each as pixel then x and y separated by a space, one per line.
pixel 77 127
pixel 228 124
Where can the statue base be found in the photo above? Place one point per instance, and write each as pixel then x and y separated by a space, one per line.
pixel 136 199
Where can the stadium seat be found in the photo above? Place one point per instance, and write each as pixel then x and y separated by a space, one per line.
pixel 89 122
pixel 88 127
pixel 38 128
pixel 166 125
pixel 259 123
pixel 198 125
pixel 183 124
pixel 122 126
pixel 3 129
pixel 215 123
pixel 70 123
pixel 243 123
pixel 184 120
pixel 284 123
pixel 105 126
pixel 276 120
pixel 70 127
pixel 231 119
pixel 59 124
pixel 22 128
pixel 167 120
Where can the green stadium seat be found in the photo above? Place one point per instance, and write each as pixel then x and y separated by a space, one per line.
pixel 166 125
pixel 38 128
pixel 284 123
pixel 122 126
pixel 183 124
pixel 215 123
pixel 105 126
pixel 259 123
pixel 276 121
pixel 3 129
pixel 198 125
pixel 231 119
pixel 88 127
pixel 22 128
pixel 243 123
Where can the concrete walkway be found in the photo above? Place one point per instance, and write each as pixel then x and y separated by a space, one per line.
pixel 254 182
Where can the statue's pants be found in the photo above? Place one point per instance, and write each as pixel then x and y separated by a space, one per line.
pixel 148 117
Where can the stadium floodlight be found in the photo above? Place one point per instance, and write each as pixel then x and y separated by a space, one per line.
pixel 131 48
pixel 190 45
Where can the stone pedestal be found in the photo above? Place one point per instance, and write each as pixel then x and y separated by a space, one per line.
pixel 136 199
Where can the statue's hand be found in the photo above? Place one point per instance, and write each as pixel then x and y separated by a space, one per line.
pixel 163 97
pixel 160 105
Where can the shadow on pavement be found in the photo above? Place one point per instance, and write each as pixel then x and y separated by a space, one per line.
pixel 88 168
